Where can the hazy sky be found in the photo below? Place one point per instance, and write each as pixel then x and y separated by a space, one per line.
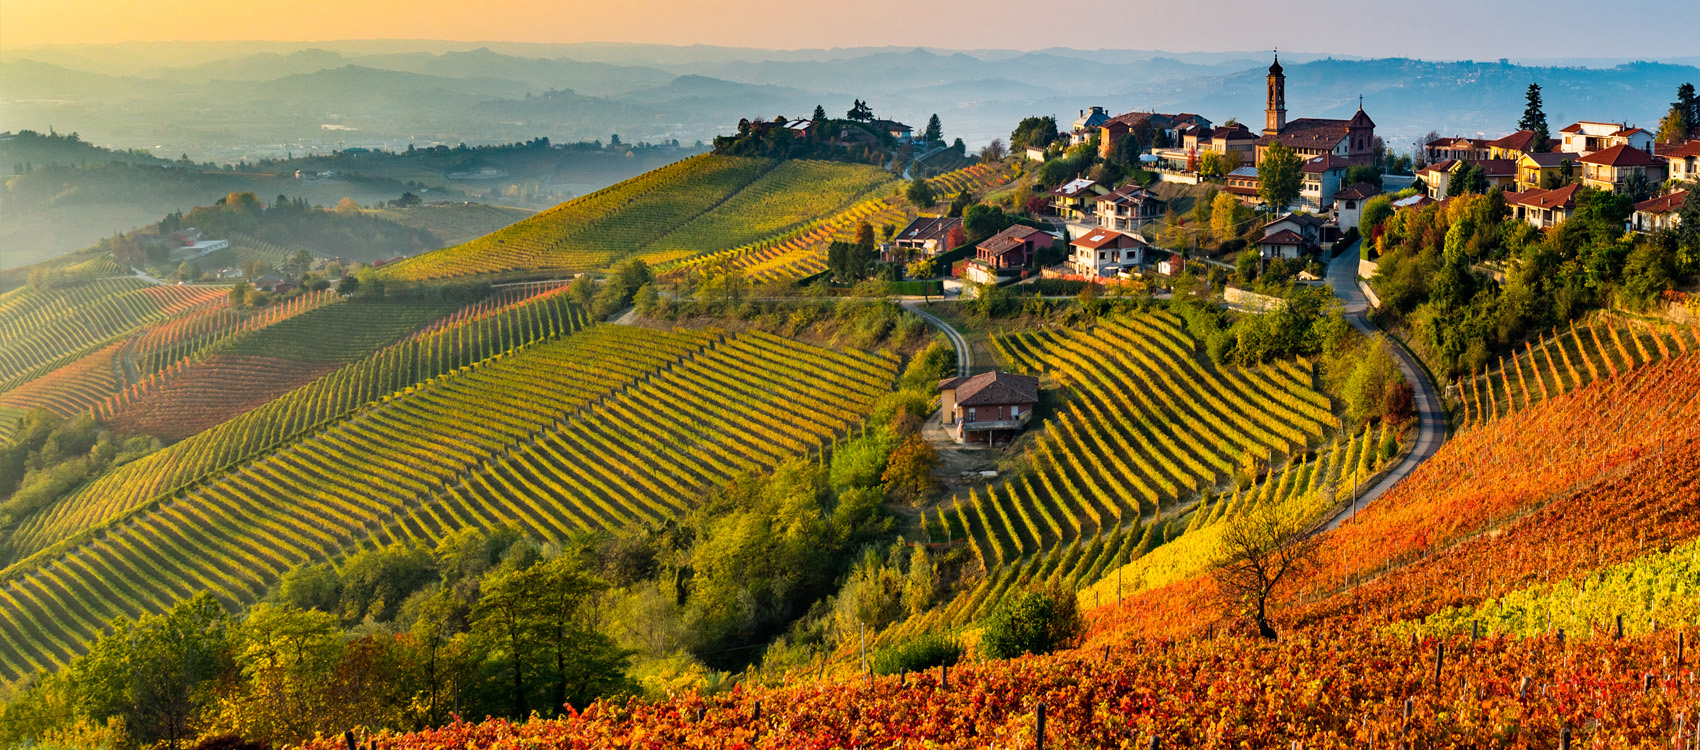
pixel 1435 29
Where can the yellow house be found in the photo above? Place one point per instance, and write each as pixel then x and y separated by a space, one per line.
pixel 1613 168
pixel 1512 146
pixel 1534 169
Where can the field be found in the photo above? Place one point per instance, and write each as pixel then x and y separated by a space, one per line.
pixel 71 389
pixel 457 222
pixel 518 437
pixel 1420 624
pixel 700 205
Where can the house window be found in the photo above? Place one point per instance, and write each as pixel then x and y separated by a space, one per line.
pixel 970 413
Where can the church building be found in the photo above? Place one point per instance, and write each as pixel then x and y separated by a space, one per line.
pixel 1350 140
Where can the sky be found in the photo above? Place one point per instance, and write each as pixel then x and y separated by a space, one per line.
pixel 1434 29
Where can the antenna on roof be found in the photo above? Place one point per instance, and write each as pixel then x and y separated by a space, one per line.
pixel 1360 102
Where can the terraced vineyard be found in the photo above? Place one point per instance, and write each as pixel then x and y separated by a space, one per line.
pixel 1563 360
pixel 543 316
pixel 40 330
pixel 190 335
pixel 1150 426
pixel 598 229
pixel 802 252
pixel 523 437
pixel 702 205
pixel 71 389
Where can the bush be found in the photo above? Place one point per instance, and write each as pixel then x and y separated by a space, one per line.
pixel 1054 287
pixel 1032 622
pixel 916 653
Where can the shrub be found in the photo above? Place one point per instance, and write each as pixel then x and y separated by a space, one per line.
pixel 916 653
pixel 1032 622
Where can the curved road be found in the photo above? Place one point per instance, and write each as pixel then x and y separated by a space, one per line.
pixel 1431 421
pixel 964 355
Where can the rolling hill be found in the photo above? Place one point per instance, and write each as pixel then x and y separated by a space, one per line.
pixel 1531 584
pixel 697 206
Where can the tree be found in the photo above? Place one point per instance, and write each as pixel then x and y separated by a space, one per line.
pixel 188 271
pixel 1278 176
pixel 859 112
pixel 1371 175
pixel 1376 210
pixel 348 206
pixel 239 294
pixel 920 194
pixel 1261 549
pixel 646 299
pixel 864 233
pixel 1226 212
pixel 849 262
pixel 934 132
pixel 298 263
pixel 1683 117
pixel 1535 119
pixel 955 238
pixel 993 151
pixel 347 286
pixel 908 473
pixel 1032 622
pixel 819 116
pixel 1035 132
pixel 155 673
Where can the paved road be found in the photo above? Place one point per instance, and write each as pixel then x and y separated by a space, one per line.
pixel 1431 421
pixel 964 355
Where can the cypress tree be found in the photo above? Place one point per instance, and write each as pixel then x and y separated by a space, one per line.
pixel 1535 119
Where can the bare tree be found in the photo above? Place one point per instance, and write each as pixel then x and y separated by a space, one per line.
pixel 1260 550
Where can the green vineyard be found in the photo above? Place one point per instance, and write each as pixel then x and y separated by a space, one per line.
pixel 1150 426
pixel 587 430
pixel 802 251
pixel 403 365
pixel 1563 360
pixel 700 205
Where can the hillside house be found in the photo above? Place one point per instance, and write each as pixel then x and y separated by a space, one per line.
pixel 1322 177
pixel 987 408
pixel 1128 208
pixel 926 236
pixel 1281 244
pixel 1662 212
pixel 903 133
pixel 1105 254
pixel 1536 170
pixel 1013 248
pixel 1242 184
pixel 1152 124
pixel 1513 146
pixel 1349 203
pixel 1308 227
pixel 1586 137
pixel 1614 168
pixel 1437 178
pixel 1352 139
pixel 1087 125
pixel 1074 199
pixel 1543 208
pixel 1234 139
pixel 1456 149
pixel 1682 160
pixel 1036 154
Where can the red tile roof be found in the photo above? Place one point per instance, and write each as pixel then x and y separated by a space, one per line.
pixel 1621 155
pixel 1663 204
pixel 925 228
pixel 1357 192
pixel 1101 238
pixel 1283 237
pixel 1574 127
pixel 1309 132
pixel 1564 197
pixel 1518 141
pixel 1497 167
pixel 1681 150
pixel 993 388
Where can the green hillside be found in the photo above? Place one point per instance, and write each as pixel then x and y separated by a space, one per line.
pixel 700 205
pixel 456 222
pixel 556 436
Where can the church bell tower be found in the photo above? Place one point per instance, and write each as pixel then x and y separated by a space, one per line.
pixel 1275 111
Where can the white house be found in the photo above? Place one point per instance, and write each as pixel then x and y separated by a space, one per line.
pixel 1105 253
